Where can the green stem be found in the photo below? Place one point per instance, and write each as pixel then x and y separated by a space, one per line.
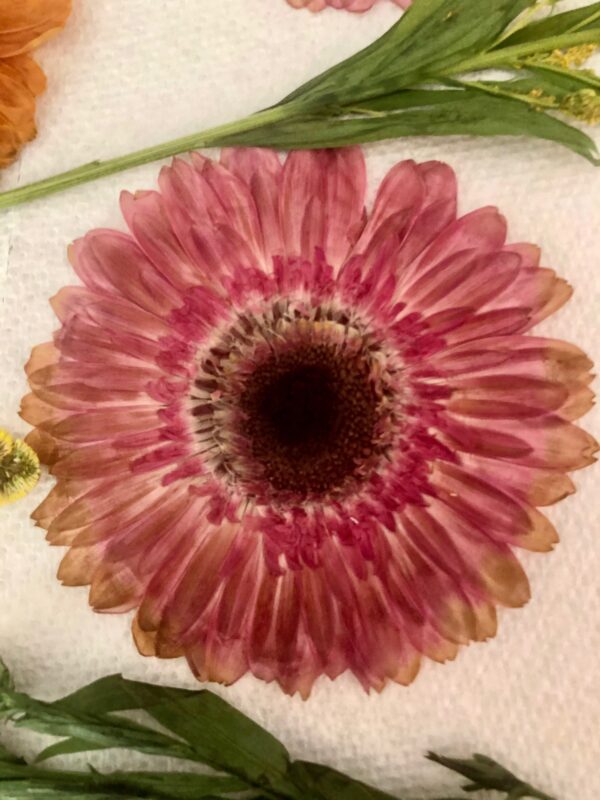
pixel 535 102
pixel 220 135
pixel 100 169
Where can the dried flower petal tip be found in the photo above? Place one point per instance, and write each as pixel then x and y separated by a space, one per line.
pixel 19 468
pixel 299 438
pixel 358 6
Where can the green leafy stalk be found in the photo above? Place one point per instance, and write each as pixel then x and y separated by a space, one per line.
pixel 485 774
pixel 202 728
pixel 245 760
pixel 416 80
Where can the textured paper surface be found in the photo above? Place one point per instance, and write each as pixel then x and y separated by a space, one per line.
pixel 129 74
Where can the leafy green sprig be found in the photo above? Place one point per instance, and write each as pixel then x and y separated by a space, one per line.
pixel 243 760
pixel 434 73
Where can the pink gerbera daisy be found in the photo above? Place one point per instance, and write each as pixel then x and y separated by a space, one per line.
pixel 348 5
pixel 299 439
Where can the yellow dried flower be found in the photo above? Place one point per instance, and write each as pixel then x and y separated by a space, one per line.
pixel 572 57
pixel 584 105
pixel 19 468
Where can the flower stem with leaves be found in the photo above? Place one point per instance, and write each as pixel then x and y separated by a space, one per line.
pixel 414 81
pixel 245 761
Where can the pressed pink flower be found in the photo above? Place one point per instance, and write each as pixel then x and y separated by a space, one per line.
pixel 299 439
pixel 347 5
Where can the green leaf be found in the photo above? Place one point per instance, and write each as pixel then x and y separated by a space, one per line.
pixel 325 783
pixel 572 79
pixel 421 113
pixel 172 785
pixel 95 732
pixel 556 24
pixel 216 733
pixel 115 693
pixel 91 731
pixel 227 739
pixel 67 747
pixel 108 694
pixel 487 774
pixel 21 790
pixel 430 36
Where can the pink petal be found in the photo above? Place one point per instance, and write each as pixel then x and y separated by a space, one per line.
pixel 322 202
pixel 147 219
pixel 110 262
pixel 261 171
pixel 205 192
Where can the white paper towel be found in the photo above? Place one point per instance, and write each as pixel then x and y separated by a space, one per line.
pixel 127 75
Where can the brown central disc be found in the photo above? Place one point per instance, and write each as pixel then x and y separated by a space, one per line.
pixel 310 416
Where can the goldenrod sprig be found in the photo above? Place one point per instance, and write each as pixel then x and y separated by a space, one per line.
pixel 416 80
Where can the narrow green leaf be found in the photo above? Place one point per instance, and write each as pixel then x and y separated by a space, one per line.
pixel 487 774
pixel 173 785
pixel 556 24
pixel 95 731
pixel 573 78
pixel 435 113
pixel 169 785
pixel 19 790
pixel 108 694
pixel 216 733
pixel 115 693
pixel 67 747
pixel 227 739
pixel 430 36
pixel 325 783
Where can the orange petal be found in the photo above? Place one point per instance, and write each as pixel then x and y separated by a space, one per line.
pixel 61 496
pixel 17 103
pixel 79 565
pixel 43 355
pixel 10 144
pixel 505 580
pixel 46 446
pixel 549 487
pixel 37 412
pixel 25 24
pixel 115 588
pixel 28 71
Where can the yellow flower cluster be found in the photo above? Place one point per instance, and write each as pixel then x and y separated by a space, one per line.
pixel 584 105
pixel 572 57
pixel 19 468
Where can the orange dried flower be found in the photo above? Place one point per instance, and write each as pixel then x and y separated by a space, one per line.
pixel 24 25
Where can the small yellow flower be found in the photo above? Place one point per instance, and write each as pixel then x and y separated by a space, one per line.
pixel 19 468
pixel 571 57
pixel 584 105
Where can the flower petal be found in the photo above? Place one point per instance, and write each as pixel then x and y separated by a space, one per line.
pixel 322 202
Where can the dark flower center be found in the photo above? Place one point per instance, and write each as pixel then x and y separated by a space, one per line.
pixel 310 416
